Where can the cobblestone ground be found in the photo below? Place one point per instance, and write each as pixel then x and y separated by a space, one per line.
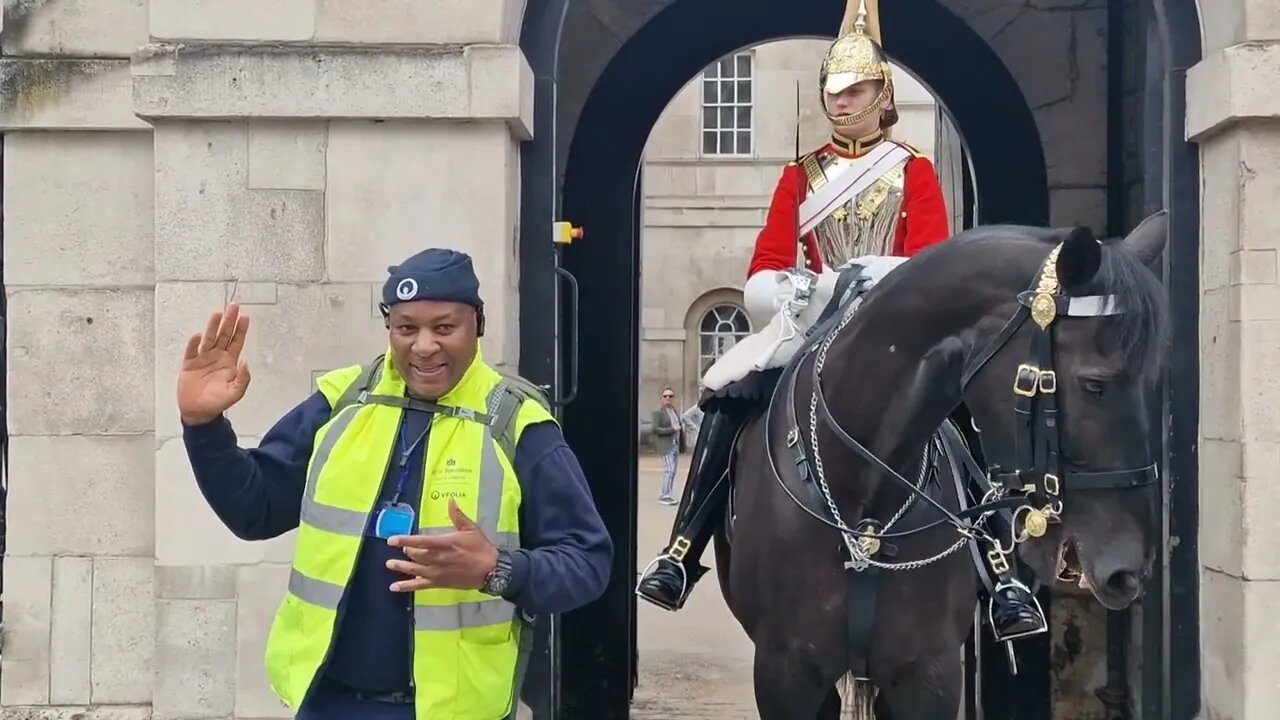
pixel 694 664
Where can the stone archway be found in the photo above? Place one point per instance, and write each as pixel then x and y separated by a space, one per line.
pixel 600 193
pixel 602 59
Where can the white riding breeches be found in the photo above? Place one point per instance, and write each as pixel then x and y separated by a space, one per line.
pixel 774 344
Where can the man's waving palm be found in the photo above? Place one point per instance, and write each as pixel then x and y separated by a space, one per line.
pixel 213 376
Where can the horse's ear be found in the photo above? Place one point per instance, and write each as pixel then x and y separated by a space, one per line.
pixel 1079 259
pixel 1148 240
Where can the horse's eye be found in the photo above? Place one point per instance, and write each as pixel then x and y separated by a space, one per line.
pixel 1095 388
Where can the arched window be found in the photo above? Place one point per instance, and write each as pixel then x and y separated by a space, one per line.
pixel 721 328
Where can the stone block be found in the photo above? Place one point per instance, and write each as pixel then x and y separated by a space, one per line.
pixel 66 95
pixel 79 208
pixel 501 86
pixel 195 658
pixel 1260 501
pixel 1220 369
pixel 196 582
pixel 115 712
pixel 1253 302
pixel 77 28
pixel 260 590
pixel 455 180
pixel 211 226
pixel 1259 186
pixel 291 81
pixel 1223 88
pixel 1222 645
pixel 102 381
pixel 298 82
pixel 28 600
pixel 1228 22
pixel 1259 382
pixel 1220 211
pixel 69 636
pixel 247 20
pixel 1085 206
pixel 287 155
pixel 441 22
pixel 1239 658
pixel 308 328
pixel 1254 267
pixel 1222 531
pixel 1069 133
pixel 124 630
pixel 196 536
pixel 107 478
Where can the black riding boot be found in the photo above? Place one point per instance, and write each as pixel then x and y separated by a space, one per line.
pixel 1013 611
pixel 701 509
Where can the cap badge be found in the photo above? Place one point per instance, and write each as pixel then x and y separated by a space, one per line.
pixel 406 289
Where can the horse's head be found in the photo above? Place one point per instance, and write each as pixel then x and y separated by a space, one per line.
pixel 1072 429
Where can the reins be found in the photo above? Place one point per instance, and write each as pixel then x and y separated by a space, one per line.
pixel 1032 490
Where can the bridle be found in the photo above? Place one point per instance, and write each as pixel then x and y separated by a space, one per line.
pixel 1033 488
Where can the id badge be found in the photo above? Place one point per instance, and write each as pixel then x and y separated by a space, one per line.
pixel 393 520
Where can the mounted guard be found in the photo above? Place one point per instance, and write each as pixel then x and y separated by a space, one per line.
pixel 862 200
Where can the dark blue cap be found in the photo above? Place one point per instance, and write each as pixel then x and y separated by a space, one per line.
pixel 433 274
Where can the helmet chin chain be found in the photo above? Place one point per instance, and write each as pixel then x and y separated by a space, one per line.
pixel 863 114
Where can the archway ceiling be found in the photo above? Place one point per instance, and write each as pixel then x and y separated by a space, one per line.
pixel 1045 44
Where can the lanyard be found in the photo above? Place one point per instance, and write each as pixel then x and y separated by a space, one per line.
pixel 403 464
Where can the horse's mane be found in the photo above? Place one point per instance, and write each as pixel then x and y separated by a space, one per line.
pixel 1141 330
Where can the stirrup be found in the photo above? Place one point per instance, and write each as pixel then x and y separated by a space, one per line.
pixel 684 576
pixel 1008 639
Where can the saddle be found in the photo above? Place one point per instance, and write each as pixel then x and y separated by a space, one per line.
pixel 751 395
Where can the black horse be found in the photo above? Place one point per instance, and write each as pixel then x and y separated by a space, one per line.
pixel 1050 340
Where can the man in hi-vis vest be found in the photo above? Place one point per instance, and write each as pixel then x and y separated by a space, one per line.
pixel 437 505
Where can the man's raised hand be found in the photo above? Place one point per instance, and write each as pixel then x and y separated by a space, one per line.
pixel 213 376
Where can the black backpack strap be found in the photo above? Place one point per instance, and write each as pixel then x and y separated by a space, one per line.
pixel 504 406
pixel 368 379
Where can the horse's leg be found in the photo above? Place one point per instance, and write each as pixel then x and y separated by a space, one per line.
pixel 931 692
pixel 786 687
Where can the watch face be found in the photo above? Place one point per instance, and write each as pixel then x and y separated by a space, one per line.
pixel 499 582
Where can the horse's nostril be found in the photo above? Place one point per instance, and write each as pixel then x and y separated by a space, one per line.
pixel 1123 582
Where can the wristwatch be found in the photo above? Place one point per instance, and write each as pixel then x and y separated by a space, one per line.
pixel 496 582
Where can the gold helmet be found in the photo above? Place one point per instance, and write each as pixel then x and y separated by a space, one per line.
pixel 857 56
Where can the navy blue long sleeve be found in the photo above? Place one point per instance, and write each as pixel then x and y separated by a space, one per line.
pixel 257 494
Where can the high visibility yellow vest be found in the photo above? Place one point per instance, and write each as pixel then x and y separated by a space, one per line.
pixel 468 651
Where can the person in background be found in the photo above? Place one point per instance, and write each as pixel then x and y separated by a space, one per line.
pixel 668 426
pixel 438 506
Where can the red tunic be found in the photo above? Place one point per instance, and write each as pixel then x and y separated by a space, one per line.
pixel 923 222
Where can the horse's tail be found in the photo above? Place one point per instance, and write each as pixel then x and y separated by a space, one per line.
pixel 858 698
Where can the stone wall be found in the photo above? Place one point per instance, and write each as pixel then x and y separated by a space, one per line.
pixel 1233 111
pixel 161 159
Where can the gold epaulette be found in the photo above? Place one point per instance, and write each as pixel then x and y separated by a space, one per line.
pixel 813 170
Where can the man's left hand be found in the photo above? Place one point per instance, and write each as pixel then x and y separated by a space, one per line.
pixel 460 560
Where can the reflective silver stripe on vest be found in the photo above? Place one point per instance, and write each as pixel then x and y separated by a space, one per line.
pixel 434 618
pixel 316 592
pixel 352 523
pixel 338 521
pixel 445 618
